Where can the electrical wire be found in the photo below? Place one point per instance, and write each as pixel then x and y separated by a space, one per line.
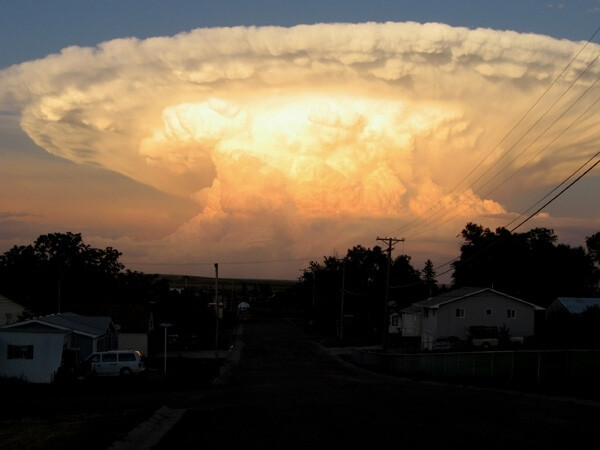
pixel 413 223
pixel 528 218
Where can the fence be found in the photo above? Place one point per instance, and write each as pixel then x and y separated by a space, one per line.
pixel 551 367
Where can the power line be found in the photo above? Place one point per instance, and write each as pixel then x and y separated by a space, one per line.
pixel 531 215
pixel 413 223
pixel 550 193
pixel 472 196
pixel 557 195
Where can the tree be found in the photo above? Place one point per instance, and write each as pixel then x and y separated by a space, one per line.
pixel 57 271
pixel 361 277
pixel 593 245
pixel 529 265
pixel 428 277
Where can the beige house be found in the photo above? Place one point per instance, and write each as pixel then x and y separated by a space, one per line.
pixel 454 313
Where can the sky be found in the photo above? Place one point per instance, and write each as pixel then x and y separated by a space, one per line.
pixel 263 135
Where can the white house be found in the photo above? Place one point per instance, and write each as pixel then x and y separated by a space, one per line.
pixel 9 311
pixel 394 324
pixel 32 356
pixel 89 333
pixel 35 349
pixel 410 321
pixel 406 322
pixel 454 312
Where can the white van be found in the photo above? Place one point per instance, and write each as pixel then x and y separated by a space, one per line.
pixel 116 362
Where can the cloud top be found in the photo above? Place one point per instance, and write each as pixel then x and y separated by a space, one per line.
pixel 274 131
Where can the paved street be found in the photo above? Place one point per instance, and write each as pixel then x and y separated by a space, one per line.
pixel 286 392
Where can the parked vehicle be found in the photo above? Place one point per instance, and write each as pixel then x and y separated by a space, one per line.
pixel 448 343
pixel 492 337
pixel 116 362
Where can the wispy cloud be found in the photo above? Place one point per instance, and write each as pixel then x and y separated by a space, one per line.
pixel 595 9
pixel 4 215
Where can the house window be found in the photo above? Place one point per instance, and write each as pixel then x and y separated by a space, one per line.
pixel 488 312
pixel 394 321
pixel 460 312
pixel 19 352
pixel 425 312
pixel 511 313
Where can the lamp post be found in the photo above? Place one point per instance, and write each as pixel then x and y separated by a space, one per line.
pixel 165 326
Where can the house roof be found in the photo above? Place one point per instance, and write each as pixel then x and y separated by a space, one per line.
pixel 36 329
pixel 412 309
pixel 92 326
pixel 465 292
pixel 576 305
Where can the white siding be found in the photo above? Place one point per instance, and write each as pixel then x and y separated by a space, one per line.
pixel 411 324
pixel 429 327
pixel 475 308
pixel 47 355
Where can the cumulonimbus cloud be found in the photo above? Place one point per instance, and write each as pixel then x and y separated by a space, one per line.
pixel 277 131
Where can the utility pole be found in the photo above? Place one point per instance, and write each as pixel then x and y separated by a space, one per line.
pixel 314 274
pixel 217 310
pixel 390 242
pixel 342 302
pixel 59 284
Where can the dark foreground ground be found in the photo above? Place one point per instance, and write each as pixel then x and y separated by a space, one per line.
pixel 93 413
pixel 287 392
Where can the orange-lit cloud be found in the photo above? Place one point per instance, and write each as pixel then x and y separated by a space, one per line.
pixel 296 141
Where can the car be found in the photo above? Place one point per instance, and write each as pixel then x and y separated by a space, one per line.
pixel 115 362
pixel 484 337
pixel 448 343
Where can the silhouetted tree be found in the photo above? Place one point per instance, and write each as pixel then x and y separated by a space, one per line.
pixel 593 246
pixel 428 277
pixel 530 265
pixel 362 276
pixel 58 271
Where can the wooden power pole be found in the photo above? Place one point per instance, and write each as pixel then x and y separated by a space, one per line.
pixel 390 243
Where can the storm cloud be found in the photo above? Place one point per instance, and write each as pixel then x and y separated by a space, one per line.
pixel 294 141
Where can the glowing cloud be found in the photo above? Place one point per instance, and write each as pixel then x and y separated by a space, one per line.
pixel 296 140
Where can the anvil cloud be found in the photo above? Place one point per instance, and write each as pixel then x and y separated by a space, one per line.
pixel 296 141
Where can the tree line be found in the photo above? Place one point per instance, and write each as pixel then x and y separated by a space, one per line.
pixel 59 272
pixel 351 291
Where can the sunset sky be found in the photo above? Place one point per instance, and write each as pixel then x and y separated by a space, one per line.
pixel 263 135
